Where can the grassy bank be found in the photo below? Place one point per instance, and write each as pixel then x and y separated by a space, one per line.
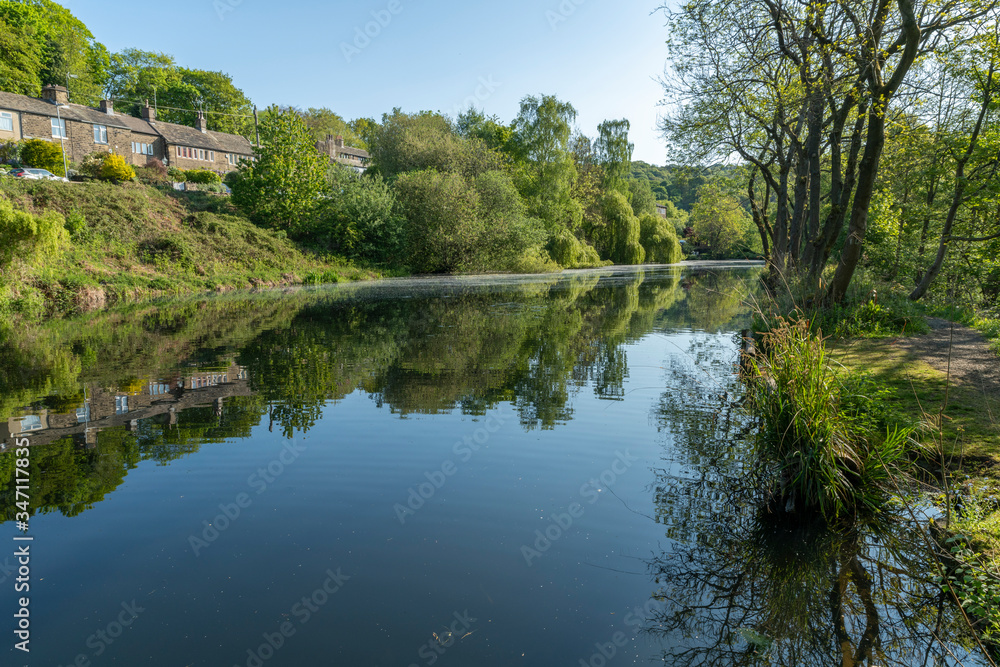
pixel 130 242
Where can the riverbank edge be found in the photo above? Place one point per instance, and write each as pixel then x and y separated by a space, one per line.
pixel 84 300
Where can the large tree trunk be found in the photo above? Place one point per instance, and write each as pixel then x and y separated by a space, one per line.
pixel 881 96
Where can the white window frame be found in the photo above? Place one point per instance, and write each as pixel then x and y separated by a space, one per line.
pixel 101 134
pixel 59 128
pixel 6 121
pixel 31 423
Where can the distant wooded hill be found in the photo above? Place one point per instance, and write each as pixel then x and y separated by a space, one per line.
pixel 677 183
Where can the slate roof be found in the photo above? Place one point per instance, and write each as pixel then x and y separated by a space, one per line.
pixel 76 112
pixel 350 150
pixel 137 125
pixel 177 135
pixel 182 135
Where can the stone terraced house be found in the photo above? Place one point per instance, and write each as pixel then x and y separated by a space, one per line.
pixel 334 148
pixel 83 130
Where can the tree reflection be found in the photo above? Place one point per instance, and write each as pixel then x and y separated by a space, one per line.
pixel 737 586
pixel 455 346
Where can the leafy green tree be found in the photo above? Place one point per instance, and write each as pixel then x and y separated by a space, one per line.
pixel 43 154
pixel 614 152
pixel 20 59
pixel 227 108
pixel 473 124
pixel 364 128
pixel 459 224
pixel 719 220
pixel 412 142
pixel 72 57
pixel 282 187
pixel 442 221
pixel 323 122
pixel 658 239
pixel 135 75
pixel 42 43
pixel 508 232
pixel 546 171
pixel 641 197
pixel 357 218
pixel 619 238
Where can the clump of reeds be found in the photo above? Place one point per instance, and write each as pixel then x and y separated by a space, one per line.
pixel 827 438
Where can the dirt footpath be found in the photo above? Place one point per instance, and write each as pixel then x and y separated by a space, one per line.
pixel 972 363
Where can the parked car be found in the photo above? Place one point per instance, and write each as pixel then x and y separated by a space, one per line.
pixel 37 174
pixel 47 175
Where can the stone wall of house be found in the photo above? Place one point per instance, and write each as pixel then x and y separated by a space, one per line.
pixel 79 140
pixel 220 163
pixel 140 159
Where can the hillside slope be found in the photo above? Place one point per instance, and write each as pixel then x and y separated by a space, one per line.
pixel 131 241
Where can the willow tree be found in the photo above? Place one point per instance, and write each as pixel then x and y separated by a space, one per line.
pixel 614 152
pixel 545 169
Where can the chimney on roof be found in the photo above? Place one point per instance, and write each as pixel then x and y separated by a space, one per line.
pixel 55 94
pixel 201 123
pixel 339 141
pixel 148 112
pixel 108 107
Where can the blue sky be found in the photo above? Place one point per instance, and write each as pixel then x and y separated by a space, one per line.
pixel 603 57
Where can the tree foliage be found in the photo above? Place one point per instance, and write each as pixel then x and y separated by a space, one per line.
pixel 811 117
pixel 43 154
pixel 613 152
pixel 281 188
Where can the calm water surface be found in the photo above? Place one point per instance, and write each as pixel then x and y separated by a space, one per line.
pixel 511 471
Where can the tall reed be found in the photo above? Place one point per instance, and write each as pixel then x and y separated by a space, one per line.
pixel 826 436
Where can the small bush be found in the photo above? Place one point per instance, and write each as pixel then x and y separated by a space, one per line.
pixel 153 172
pixel 149 176
pixel 202 176
pixel 116 169
pixel 176 175
pixel 10 151
pixel 91 164
pixel 75 222
pixel 29 238
pixel 43 155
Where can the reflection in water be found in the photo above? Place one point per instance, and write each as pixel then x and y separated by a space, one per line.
pixel 109 390
pixel 737 587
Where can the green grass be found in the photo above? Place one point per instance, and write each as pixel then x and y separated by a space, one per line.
pixel 132 242
pixel 966 425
